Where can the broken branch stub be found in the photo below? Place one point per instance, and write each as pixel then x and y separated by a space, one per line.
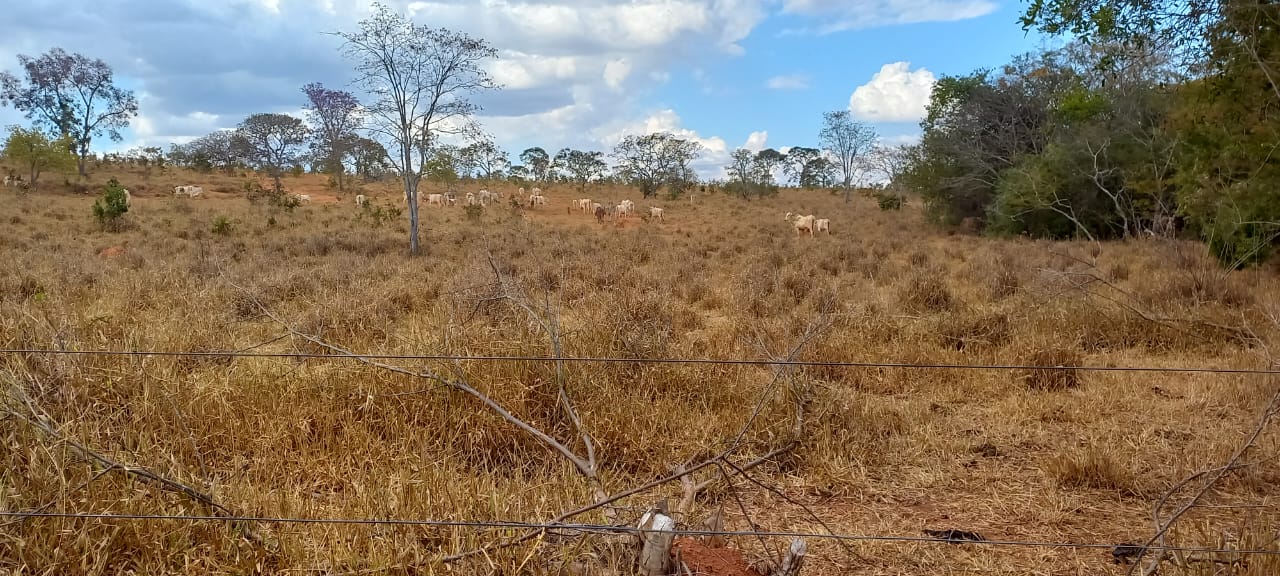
pixel 657 533
pixel 794 560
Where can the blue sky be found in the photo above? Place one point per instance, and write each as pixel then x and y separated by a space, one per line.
pixel 578 73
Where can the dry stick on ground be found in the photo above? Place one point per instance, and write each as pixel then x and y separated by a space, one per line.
pixel 42 422
pixel 1215 475
pixel 549 321
pixel 459 384
pixel 811 331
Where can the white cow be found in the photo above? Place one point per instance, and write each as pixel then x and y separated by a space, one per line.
pixel 583 204
pixel 486 197
pixel 8 180
pixel 302 197
pixel 188 191
pixel 437 199
pixel 471 199
pixel 361 201
pixel 822 225
pixel 803 223
pixel 128 199
pixel 536 199
pixel 656 212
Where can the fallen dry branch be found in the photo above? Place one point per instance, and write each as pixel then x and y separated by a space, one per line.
pixel 36 418
pixel 681 472
pixel 1214 475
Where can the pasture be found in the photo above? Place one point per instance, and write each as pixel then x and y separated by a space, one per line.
pixel 1049 456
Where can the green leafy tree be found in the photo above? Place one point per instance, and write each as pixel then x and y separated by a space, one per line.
pixel 537 164
pixel 580 167
pixel 36 153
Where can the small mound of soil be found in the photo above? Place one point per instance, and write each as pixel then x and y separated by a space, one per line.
pixel 704 560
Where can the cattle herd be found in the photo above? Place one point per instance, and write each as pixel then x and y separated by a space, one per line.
pixel 529 198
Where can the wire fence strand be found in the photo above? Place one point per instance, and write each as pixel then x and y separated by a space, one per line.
pixel 606 360
pixel 606 528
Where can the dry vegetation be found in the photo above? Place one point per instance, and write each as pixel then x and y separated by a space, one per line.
pixel 1042 455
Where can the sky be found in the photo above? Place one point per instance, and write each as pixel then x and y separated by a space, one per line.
pixel 575 73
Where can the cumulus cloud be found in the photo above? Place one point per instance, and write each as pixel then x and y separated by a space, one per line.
pixel 788 82
pixel 567 66
pixel 756 141
pixel 715 151
pixel 894 94
pixel 616 71
pixel 840 15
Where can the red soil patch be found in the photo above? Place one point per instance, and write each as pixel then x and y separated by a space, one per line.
pixel 111 252
pixel 704 560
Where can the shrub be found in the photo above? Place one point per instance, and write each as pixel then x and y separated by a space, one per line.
pixel 222 226
pixel 109 209
pixel 474 212
pixel 927 293
pixel 274 197
pixel 890 200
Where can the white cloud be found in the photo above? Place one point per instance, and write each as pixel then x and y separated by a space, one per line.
pixel 788 82
pixel 894 94
pixel 839 15
pixel 756 141
pixel 518 71
pixel 615 71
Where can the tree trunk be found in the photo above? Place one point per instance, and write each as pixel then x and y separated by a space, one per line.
pixel 80 159
pixel 411 196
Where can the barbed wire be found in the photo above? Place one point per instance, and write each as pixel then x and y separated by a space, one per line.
pixel 607 528
pixel 605 359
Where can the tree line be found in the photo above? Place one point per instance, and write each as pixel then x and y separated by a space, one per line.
pixel 1158 119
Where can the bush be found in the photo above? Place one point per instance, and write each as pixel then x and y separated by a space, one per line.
pixel 110 208
pixel 890 200
pixel 274 197
pixel 474 212
pixel 222 226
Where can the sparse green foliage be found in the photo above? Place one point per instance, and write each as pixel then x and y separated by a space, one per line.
pixel 751 174
pixel 109 209
pixel 889 200
pixel 655 160
pixel 275 197
pixel 36 154
pixel 223 226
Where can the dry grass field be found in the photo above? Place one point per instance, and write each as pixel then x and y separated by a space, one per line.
pixel 1055 456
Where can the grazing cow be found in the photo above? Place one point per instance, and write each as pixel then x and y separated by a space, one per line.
pixel 486 197
pixel 822 225
pixel 656 212
pixel 128 199
pixel 536 199
pixel 188 191
pixel 8 180
pixel 803 223
pixel 302 197
pixel 536 191
pixel 437 199
pixel 450 199
pixel 471 199
pixel 583 204
pixel 361 201
pixel 599 212
pixel 624 208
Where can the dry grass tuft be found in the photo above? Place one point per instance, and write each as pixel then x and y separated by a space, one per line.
pixel 926 292
pixel 1092 468
pixel 1061 377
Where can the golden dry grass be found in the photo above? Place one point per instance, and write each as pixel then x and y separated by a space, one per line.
pixel 1055 455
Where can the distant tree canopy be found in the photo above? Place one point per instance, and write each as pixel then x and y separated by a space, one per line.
pixel 657 160
pixel 72 97
pixel 335 117
pixel 272 142
pixel 579 167
pixel 751 173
